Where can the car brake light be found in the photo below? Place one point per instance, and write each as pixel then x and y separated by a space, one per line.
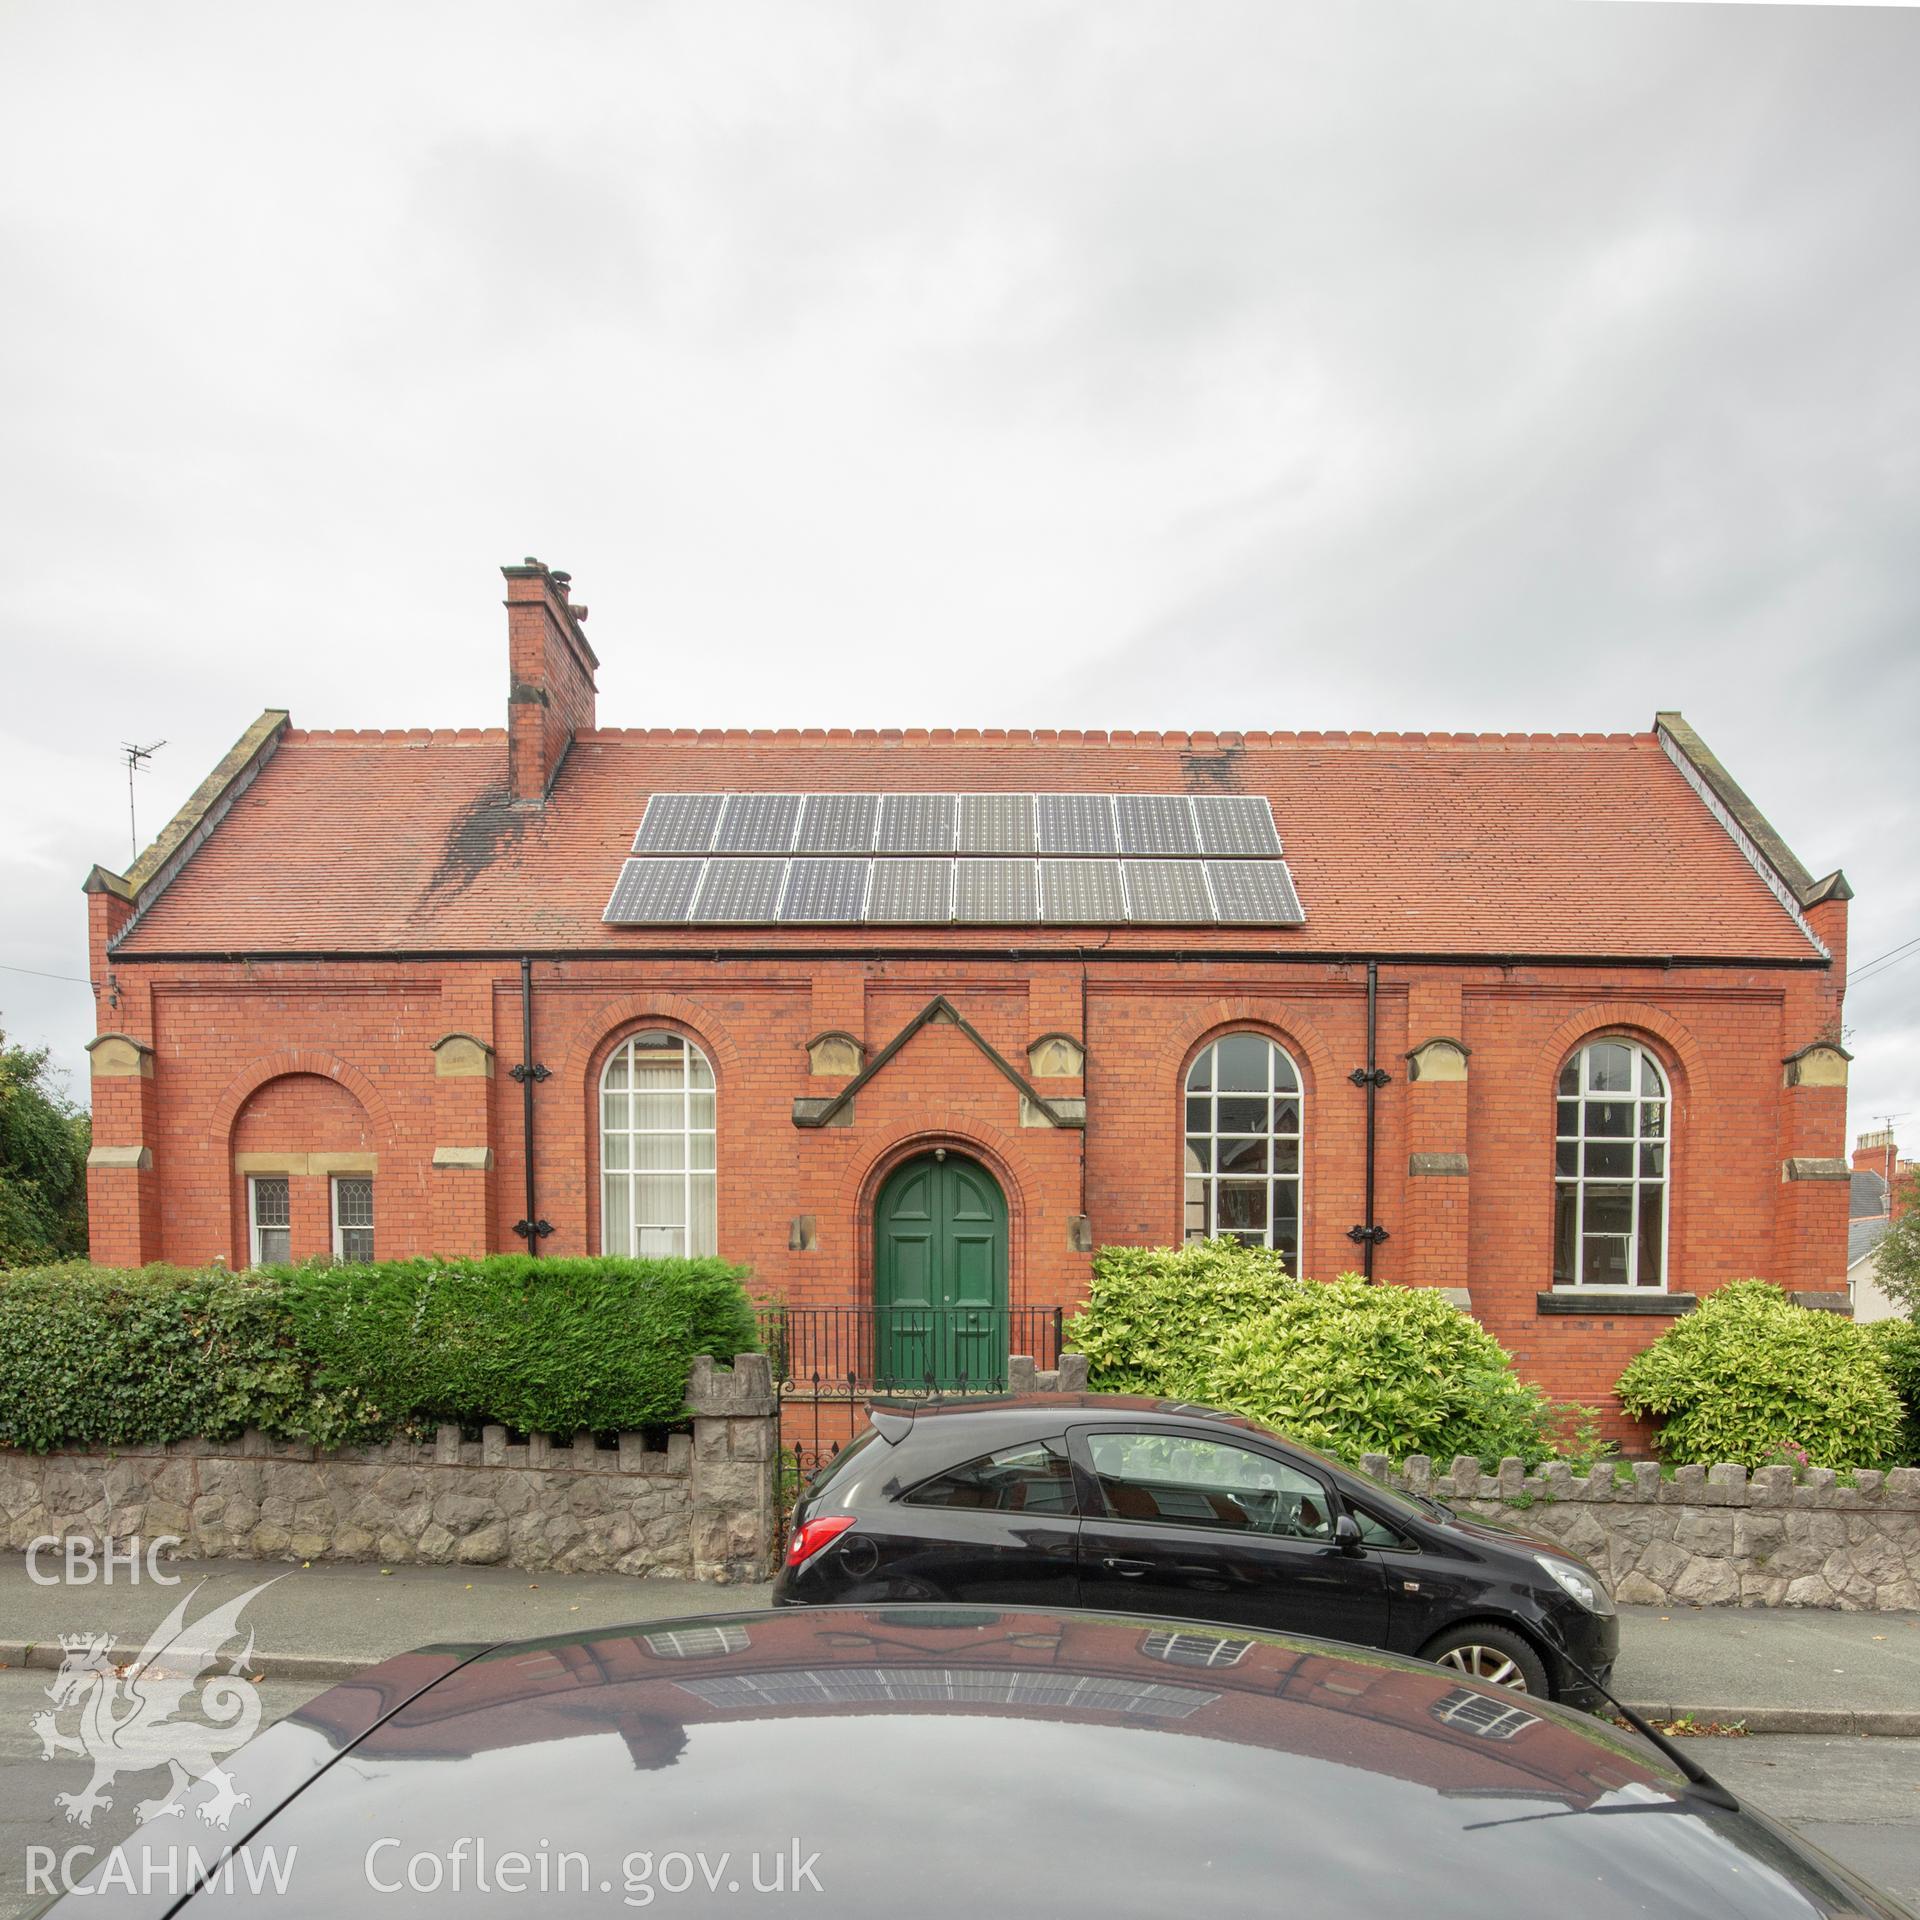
pixel 809 1538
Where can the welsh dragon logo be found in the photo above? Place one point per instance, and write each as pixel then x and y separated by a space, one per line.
pixel 127 1712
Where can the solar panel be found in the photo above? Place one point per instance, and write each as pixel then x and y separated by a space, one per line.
pixel 1082 892
pixel 1157 823
pixel 996 823
pixel 1236 823
pixel 1255 892
pixel 996 892
pixel 740 890
pixel 1076 823
pixel 678 823
pixel 1170 892
pixel 916 823
pixel 831 890
pixel 757 823
pixel 911 890
pixel 653 892
pixel 838 823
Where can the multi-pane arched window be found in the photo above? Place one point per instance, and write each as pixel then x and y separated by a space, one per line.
pixel 1610 1169
pixel 656 1148
pixel 1243 1104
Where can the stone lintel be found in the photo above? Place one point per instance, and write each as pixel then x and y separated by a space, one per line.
pixel 1590 1303
pixel 306 1163
pixel 479 1159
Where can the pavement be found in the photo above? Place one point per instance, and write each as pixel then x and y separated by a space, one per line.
pixel 1781 1670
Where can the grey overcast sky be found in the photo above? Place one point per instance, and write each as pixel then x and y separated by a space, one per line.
pixel 1457 366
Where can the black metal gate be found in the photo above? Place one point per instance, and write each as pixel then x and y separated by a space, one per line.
pixel 831 1363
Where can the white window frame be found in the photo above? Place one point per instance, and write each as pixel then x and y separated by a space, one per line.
pixel 1212 1177
pixel 333 1197
pixel 629 1175
pixel 1645 1062
pixel 254 1228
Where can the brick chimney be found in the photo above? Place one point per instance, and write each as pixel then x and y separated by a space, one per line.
pixel 1875 1153
pixel 551 669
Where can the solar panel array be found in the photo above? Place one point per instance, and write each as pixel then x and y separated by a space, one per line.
pixel 976 859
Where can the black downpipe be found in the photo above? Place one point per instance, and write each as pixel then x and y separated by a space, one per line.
pixel 532 1229
pixel 1373 1077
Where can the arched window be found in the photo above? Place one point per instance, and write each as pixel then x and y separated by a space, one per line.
pixel 1610 1169
pixel 656 1148
pixel 1243 1144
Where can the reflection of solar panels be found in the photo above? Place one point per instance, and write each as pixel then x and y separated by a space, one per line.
pixel 697 1643
pixel 931 859
pixel 949 1686
pixel 1489 1719
pixel 1195 1649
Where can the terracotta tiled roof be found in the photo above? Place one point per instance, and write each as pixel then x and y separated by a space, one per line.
pixel 1561 845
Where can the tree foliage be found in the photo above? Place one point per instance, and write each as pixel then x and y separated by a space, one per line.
pixel 1896 1262
pixel 43 1163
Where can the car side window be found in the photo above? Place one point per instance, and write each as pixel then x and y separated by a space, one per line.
pixel 1376 1533
pixel 1186 1482
pixel 1030 1478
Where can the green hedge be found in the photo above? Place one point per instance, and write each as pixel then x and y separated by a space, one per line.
pixel 1155 1316
pixel 1354 1368
pixel 1748 1375
pixel 343 1355
pixel 1900 1352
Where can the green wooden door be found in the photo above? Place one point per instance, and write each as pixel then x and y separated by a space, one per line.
pixel 940 1277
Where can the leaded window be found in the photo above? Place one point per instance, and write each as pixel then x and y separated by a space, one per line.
pixel 352 1218
pixel 1243 1112
pixel 1610 1169
pixel 657 1149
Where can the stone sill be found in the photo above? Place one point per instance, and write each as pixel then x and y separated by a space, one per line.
pixel 1595 1303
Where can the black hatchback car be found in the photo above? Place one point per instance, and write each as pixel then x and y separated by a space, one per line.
pixel 1103 1500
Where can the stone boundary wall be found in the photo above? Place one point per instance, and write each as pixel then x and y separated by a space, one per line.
pixel 703 1508
pixel 1707 1537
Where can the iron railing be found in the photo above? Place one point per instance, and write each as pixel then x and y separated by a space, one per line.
pixel 864 1352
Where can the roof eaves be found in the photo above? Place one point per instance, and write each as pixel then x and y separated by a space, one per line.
pixel 1749 829
pixel 150 876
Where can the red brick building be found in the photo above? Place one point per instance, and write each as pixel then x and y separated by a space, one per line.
pixel 925 1015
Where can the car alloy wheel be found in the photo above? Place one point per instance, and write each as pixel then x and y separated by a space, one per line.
pixel 1485 1663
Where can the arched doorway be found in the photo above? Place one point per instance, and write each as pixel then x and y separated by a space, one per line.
pixel 940 1275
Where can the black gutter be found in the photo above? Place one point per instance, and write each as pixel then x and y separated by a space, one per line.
pixel 532 1229
pixel 1265 957
pixel 1373 1077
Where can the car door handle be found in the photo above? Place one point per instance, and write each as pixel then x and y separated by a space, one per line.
pixel 1127 1569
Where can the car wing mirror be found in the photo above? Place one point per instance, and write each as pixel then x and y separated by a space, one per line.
pixel 1346 1534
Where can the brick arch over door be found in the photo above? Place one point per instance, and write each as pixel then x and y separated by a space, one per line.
pixel 595 1035
pixel 959 1132
pixel 1286 1026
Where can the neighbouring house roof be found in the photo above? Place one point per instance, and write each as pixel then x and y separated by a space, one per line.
pixel 1558 846
pixel 1863 1236
pixel 1868 1196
